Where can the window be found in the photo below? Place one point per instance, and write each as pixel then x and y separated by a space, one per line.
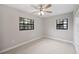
pixel 62 24
pixel 26 24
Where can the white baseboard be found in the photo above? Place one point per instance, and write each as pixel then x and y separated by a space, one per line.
pixel 18 45
pixel 26 42
pixel 67 41
pixel 76 48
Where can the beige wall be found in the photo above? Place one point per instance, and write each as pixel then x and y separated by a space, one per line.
pixel 50 30
pixel 9 30
pixel 76 29
pixel 0 29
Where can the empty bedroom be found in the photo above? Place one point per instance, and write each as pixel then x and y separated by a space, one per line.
pixel 39 28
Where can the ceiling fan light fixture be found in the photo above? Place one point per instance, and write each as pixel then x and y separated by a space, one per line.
pixel 41 13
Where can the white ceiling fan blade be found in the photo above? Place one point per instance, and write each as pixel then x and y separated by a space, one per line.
pixel 47 6
pixel 48 11
pixel 35 11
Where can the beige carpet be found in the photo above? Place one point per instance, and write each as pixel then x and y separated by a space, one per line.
pixel 44 46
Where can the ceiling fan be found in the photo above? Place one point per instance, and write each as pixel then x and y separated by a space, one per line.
pixel 42 9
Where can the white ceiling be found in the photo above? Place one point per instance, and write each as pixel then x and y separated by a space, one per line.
pixel 56 8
